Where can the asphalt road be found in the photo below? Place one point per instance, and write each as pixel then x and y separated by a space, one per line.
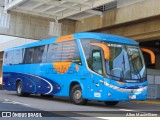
pixel 61 107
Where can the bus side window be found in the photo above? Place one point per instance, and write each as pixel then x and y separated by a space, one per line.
pixel 76 56
pixel 44 55
pixel 70 52
pixel 38 52
pixel 5 59
pixel 10 57
pixel 88 50
pixel 54 52
pixel 29 55
pixel 63 51
pixel 18 56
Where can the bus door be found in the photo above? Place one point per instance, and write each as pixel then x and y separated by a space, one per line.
pixel 95 87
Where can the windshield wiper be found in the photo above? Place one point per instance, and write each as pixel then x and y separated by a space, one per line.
pixel 123 62
pixel 122 76
pixel 123 68
pixel 135 68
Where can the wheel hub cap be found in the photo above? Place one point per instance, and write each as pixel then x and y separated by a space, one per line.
pixel 77 94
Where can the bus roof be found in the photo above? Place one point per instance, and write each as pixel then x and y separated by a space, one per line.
pixel 105 37
pixel 91 35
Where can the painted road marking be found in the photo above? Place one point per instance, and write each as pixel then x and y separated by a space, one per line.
pixel 126 110
pixel 4 100
pixel 148 102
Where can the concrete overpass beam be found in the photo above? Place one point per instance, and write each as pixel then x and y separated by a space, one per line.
pixel 12 3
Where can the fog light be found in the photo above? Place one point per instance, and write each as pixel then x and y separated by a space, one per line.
pixel 109 94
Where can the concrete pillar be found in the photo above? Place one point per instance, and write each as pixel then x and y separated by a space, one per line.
pixel 33 27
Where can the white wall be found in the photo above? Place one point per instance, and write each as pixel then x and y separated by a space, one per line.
pixel 14 43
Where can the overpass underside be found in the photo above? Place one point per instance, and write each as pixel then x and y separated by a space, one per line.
pixel 139 21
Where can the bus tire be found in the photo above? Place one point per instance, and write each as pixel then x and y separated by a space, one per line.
pixel 111 103
pixel 76 95
pixel 19 89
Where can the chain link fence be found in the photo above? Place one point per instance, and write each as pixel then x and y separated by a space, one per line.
pixel 153 91
pixel 153 86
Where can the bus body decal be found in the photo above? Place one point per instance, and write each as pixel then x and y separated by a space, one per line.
pixel 46 85
pixel 51 89
pixel 105 48
pixel 62 67
pixel 65 38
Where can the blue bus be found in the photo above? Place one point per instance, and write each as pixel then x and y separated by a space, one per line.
pixel 82 66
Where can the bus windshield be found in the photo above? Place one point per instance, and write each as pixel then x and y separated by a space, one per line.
pixel 125 62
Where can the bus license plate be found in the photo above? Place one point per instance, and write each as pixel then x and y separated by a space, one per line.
pixel 132 96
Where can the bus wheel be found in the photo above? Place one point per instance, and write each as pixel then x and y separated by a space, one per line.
pixel 76 95
pixel 111 103
pixel 20 90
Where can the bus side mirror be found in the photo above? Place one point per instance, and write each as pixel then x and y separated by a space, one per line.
pixel 151 53
pixel 97 61
pixel 105 49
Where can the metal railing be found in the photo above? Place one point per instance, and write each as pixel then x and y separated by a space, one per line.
pixel 153 86
pixel 107 6
pixel 153 91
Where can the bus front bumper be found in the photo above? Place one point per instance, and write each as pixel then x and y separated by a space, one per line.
pixel 125 94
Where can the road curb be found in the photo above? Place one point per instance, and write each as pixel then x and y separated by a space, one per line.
pixel 148 102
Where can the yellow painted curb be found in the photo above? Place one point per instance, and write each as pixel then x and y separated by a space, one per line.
pixel 148 102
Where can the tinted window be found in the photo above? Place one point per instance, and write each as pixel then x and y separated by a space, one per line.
pixel 8 57
pixel 70 52
pixel 5 58
pixel 29 55
pixel 34 55
pixel 54 52
pixel 38 53
pixel 18 56
pixel 44 55
pixel 63 51
pixel 88 48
